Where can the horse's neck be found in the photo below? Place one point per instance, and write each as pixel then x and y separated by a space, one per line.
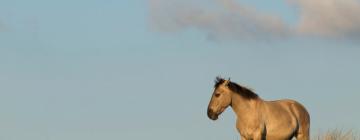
pixel 244 107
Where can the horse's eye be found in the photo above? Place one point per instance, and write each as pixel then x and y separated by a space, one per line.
pixel 217 95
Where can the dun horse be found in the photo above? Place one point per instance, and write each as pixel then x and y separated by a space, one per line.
pixel 258 119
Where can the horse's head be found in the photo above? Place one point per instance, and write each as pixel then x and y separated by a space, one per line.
pixel 220 100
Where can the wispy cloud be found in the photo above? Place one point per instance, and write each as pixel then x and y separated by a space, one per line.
pixel 231 20
pixel 329 18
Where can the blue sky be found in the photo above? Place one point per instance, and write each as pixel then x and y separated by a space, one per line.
pixel 104 70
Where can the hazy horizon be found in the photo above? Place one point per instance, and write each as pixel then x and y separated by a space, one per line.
pixel 127 70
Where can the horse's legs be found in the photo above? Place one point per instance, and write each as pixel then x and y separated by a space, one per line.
pixel 258 138
pixel 302 137
pixel 260 135
pixel 303 133
pixel 243 138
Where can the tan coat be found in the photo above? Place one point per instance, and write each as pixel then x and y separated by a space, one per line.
pixel 258 119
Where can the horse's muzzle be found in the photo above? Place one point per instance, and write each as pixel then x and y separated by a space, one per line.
pixel 212 115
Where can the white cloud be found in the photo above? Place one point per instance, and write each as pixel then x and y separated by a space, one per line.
pixel 230 20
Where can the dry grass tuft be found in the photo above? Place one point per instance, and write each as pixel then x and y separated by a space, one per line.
pixel 337 134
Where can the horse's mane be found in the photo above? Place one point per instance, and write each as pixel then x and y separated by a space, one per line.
pixel 241 90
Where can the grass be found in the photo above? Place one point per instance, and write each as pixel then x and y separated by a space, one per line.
pixel 337 134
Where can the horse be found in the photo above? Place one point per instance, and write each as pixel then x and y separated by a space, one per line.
pixel 258 119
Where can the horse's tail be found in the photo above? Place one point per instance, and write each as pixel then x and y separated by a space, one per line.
pixel 303 117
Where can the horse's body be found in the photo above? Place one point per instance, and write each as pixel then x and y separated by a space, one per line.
pixel 258 119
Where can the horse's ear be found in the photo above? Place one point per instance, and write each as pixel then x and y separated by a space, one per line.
pixel 226 82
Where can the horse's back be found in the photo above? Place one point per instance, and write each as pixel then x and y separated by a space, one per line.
pixel 291 106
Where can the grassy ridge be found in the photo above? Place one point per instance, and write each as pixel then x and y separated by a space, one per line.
pixel 337 134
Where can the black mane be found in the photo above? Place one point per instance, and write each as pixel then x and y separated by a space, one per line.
pixel 243 91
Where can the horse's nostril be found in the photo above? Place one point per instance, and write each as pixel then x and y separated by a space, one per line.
pixel 209 112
